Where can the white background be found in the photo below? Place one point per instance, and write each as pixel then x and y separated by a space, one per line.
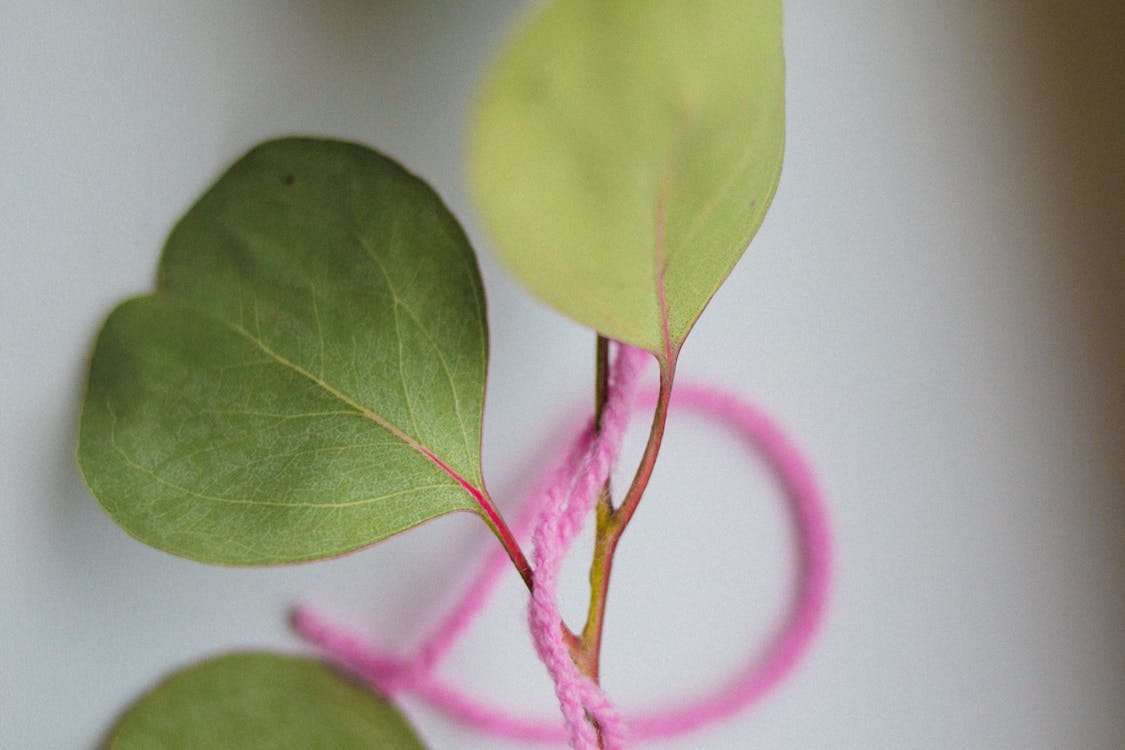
pixel 933 309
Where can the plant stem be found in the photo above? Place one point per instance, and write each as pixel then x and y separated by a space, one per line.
pixel 507 539
pixel 611 524
pixel 601 379
pixel 504 534
pixel 585 650
pixel 624 514
pixel 600 568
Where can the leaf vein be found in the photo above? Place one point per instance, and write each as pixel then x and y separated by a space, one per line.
pixel 448 374
pixel 402 371
pixel 252 502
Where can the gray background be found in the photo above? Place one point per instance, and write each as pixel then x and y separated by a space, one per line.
pixel 933 309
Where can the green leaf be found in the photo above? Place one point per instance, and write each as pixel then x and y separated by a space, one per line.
pixel 309 377
pixel 261 701
pixel 624 154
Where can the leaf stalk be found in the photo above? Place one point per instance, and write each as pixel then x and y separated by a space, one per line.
pixel 507 539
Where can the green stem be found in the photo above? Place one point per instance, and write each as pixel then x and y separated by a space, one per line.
pixel 611 524
pixel 589 645
pixel 600 568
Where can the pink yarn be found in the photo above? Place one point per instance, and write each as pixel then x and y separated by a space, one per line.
pixel 569 500
pixel 565 499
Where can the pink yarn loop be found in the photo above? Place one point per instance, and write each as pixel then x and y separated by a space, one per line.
pixel 562 502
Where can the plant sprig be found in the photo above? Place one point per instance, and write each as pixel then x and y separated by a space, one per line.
pixel 308 378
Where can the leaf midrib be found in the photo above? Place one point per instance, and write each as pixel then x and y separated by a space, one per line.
pixel 275 503
pixel 378 419
pixel 661 259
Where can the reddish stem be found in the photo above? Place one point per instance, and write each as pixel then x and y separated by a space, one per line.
pixel 508 540
pixel 624 514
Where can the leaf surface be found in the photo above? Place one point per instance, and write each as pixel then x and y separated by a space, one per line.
pixel 261 701
pixel 624 154
pixel 309 377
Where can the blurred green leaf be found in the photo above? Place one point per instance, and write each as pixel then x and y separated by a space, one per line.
pixel 261 701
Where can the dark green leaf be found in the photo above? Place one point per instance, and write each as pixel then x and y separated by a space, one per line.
pixel 309 377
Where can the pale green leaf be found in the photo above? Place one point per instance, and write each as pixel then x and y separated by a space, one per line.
pixel 309 377
pixel 624 154
pixel 261 701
